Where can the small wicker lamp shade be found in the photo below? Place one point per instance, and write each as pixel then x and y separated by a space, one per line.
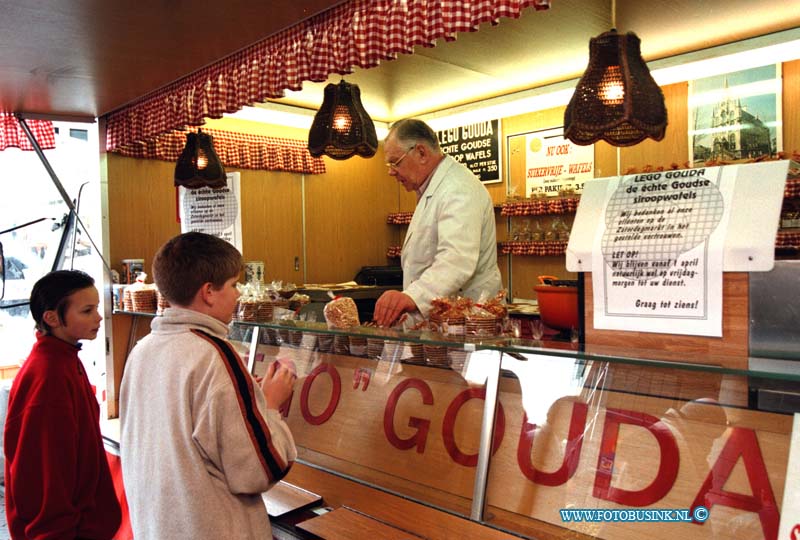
pixel 198 165
pixel 617 99
pixel 342 128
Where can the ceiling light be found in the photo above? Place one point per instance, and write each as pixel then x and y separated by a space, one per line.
pixel 342 128
pixel 198 165
pixel 616 99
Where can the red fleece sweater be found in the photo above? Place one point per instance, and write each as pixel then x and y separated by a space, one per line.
pixel 58 485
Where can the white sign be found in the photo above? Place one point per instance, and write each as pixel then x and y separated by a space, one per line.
pixel 658 254
pixel 213 211
pixel 553 163
pixel 790 510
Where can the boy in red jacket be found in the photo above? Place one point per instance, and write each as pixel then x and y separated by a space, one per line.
pixel 58 485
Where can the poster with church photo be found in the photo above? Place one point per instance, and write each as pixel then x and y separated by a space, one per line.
pixel 735 116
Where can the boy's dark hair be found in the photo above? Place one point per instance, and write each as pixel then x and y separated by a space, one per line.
pixel 187 261
pixel 52 292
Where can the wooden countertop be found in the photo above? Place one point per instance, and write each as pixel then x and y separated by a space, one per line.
pixel 387 509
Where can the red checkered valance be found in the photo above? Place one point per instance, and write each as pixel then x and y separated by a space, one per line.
pixel 11 134
pixel 236 150
pixel 358 33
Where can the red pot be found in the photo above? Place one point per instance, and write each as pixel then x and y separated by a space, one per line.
pixel 558 304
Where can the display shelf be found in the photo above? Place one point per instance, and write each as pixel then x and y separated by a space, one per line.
pixel 788 239
pixel 508 344
pixel 537 248
pixel 792 189
pixel 399 218
pixel 540 206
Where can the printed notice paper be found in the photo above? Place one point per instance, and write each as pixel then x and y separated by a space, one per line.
pixel 553 163
pixel 213 211
pixel 657 258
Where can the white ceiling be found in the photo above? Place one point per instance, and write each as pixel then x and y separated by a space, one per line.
pixel 543 47
pixel 88 58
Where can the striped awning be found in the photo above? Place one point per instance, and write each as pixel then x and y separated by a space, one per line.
pixel 359 33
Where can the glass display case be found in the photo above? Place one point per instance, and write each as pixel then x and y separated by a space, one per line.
pixel 539 439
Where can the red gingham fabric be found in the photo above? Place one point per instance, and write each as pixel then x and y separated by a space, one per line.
pixel 359 33
pixel 792 189
pixel 237 150
pixel 11 133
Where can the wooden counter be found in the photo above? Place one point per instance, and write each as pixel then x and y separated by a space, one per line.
pixel 388 509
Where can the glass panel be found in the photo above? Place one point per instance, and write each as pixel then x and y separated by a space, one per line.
pixel 400 416
pixel 601 438
pixel 589 446
pixel 565 349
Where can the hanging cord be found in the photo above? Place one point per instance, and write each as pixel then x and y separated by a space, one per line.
pixel 614 14
pixel 61 190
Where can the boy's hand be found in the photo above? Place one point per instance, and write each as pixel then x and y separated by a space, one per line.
pixel 277 384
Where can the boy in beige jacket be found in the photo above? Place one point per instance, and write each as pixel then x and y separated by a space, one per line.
pixel 201 439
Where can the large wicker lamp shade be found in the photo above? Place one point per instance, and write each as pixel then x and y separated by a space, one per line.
pixel 198 165
pixel 617 99
pixel 342 128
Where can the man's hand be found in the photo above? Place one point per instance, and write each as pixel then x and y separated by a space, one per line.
pixel 390 306
pixel 277 384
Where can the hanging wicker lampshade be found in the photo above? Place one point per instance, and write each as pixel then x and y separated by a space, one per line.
pixel 342 128
pixel 617 99
pixel 198 165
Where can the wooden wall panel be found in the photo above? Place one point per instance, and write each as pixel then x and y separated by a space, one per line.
pixel 525 269
pixel 272 223
pixel 791 106
pixel 731 350
pixel 141 208
pixel 674 147
pixel 346 211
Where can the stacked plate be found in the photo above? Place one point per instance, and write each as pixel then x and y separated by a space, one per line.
pixel 341 345
pixel 358 346
pixel 392 350
pixel 414 353
pixel 374 347
pixel 458 358
pixel 325 342
pixel 482 326
pixel 436 355
pixel 144 300
pixel 264 311
pixel 272 336
pixel 127 300
pixel 162 303
pixel 248 311
pixel 453 326
pixel 295 337
pixel 309 341
pixel 283 336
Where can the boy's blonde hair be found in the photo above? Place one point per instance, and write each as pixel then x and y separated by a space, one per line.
pixel 189 260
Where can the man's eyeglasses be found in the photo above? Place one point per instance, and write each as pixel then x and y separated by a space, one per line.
pixel 396 163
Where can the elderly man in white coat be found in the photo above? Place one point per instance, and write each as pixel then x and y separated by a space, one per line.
pixel 450 246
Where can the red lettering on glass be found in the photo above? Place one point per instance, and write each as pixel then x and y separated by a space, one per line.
pixel 572 452
pixel 421 425
pixel 667 466
pixel 336 393
pixel 286 406
pixel 742 443
pixel 449 423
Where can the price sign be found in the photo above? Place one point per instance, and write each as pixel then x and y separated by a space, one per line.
pixel 475 145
